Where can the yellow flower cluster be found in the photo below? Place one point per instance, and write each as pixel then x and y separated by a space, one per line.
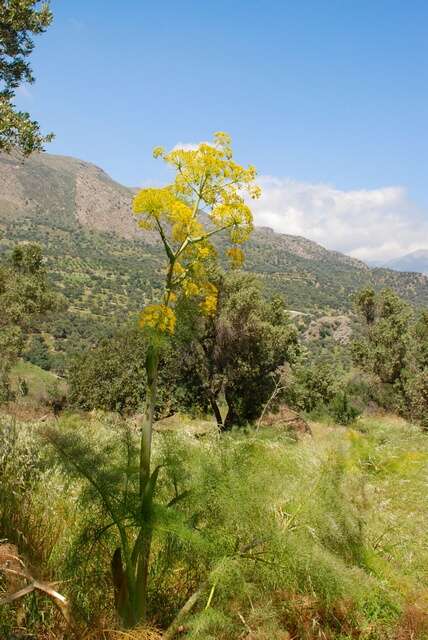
pixel 234 214
pixel 190 289
pixel 159 317
pixel 236 256
pixel 208 195
pixel 208 306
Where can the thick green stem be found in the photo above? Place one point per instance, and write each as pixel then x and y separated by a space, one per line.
pixel 143 573
pixel 137 564
pixel 152 363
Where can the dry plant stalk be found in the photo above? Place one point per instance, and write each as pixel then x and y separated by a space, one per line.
pixel 19 581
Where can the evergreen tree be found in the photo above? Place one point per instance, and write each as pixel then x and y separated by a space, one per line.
pixel 238 349
pixel 19 21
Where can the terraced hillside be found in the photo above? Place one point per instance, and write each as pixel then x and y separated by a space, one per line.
pixel 108 268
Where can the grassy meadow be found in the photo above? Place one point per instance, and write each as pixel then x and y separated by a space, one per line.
pixel 324 536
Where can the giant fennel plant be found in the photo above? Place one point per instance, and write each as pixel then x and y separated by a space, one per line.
pixel 207 196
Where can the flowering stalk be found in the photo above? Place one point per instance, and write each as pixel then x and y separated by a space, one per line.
pixel 205 198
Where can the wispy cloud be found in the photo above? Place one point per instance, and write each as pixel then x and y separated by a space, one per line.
pixel 189 146
pixel 376 224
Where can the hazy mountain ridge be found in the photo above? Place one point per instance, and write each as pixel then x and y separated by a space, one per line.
pixel 416 261
pixel 97 255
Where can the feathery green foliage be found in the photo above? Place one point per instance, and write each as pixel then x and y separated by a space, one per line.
pixel 326 536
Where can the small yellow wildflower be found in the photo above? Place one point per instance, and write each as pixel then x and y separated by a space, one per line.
pixel 205 250
pixel 153 202
pixel 158 316
pixel 158 151
pixel 208 306
pixel 236 256
pixel 190 288
pixel 254 191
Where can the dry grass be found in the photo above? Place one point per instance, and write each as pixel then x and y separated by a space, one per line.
pixel 413 624
pixel 142 633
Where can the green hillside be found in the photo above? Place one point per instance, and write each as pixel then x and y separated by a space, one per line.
pixel 108 269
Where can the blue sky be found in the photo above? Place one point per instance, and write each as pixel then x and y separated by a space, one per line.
pixel 330 93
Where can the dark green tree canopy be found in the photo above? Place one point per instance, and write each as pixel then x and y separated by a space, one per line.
pixel 25 296
pixel 394 351
pixel 111 376
pixel 24 289
pixel 383 348
pixel 19 21
pixel 238 350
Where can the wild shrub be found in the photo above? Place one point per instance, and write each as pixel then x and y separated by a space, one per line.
pixel 341 409
pixel 37 353
pixel 394 351
pixel 310 385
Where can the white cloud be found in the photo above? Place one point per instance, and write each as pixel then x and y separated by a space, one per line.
pixel 185 146
pixel 377 224
pixel 189 146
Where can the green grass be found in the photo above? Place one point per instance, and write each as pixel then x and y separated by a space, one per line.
pixel 339 524
pixel 39 381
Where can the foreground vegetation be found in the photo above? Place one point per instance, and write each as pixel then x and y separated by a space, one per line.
pixel 325 537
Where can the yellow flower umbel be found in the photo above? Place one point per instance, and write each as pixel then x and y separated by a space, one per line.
pixel 236 256
pixel 159 317
pixel 206 197
pixel 208 306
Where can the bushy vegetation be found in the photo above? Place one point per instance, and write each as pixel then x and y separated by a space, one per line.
pixel 394 351
pixel 269 536
pixel 25 295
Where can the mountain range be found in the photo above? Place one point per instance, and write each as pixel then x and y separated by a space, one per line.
pixel 108 268
pixel 417 261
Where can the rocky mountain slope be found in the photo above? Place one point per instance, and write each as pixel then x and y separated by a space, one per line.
pixel 107 267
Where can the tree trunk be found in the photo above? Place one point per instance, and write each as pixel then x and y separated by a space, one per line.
pixel 232 417
pixel 229 420
pixel 216 411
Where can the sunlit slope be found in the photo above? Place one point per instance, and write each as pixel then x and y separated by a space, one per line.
pixel 104 264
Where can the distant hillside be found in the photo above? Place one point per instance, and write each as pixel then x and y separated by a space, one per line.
pixel 108 268
pixel 417 261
